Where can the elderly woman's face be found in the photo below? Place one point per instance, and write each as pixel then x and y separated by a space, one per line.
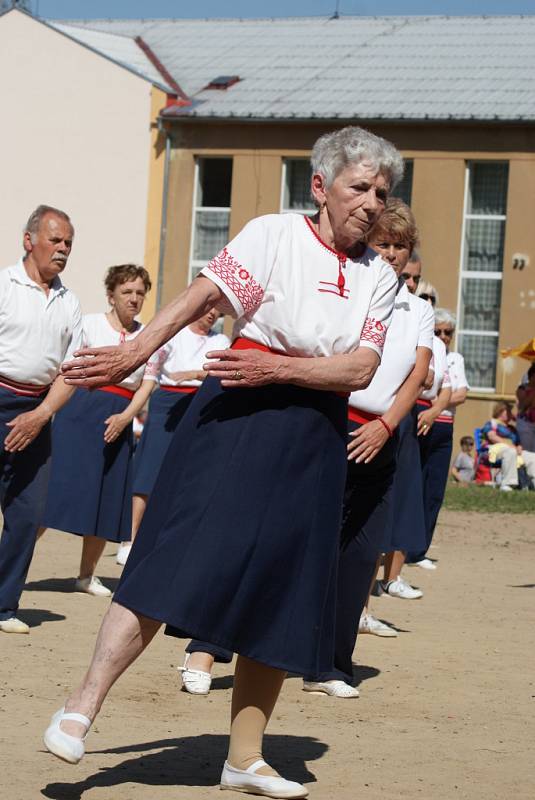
pixel 392 251
pixel 127 299
pixel 354 202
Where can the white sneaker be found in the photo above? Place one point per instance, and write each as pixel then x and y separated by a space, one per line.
pixel 506 488
pixel 63 745
pixel 369 624
pixel 92 585
pixel 332 688
pixel 400 588
pixel 123 552
pixel 194 681
pixel 13 625
pixel 246 780
pixel 424 563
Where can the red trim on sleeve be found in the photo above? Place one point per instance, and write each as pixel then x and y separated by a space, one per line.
pixel 238 279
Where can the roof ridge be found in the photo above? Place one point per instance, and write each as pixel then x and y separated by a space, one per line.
pixel 247 20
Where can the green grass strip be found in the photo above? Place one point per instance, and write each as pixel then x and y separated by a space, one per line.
pixel 488 500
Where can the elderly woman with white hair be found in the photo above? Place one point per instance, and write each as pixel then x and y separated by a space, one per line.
pixel 243 553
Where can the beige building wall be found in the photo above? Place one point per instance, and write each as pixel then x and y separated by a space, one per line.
pixel 75 134
pixel 440 155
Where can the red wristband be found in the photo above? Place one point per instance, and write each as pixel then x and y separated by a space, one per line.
pixel 387 426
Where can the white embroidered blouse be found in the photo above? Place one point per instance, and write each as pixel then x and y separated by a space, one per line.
pixel 292 292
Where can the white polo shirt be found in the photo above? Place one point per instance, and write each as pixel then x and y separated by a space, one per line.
pixel 292 292
pixel 98 332
pixel 186 351
pixel 441 379
pixel 412 326
pixel 37 332
pixel 458 380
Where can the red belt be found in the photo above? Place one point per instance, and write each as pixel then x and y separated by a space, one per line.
pixel 120 390
pixel 23 389
pixel 422 402
pixel 181 389
pixel 360 416
pixel 241 343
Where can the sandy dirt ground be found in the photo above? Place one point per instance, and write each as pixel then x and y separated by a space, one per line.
pixel 446 709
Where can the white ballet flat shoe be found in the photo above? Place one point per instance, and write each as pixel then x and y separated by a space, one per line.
pixel 246 780
pixel 92 585
pixel 332 688
pixel 61 744
pixel 194 681
pixel 122 553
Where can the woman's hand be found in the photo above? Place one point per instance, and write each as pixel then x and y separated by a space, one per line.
pixel 99 366
pixel 368 440
pixel 115 425
pixel 430 377
pixel 425 421
pixel 24 429
pixel 244 368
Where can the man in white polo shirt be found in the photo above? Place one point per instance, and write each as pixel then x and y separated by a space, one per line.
pixel 40 326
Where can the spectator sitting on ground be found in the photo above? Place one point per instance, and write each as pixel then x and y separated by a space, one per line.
pixel 501 443
pixel 463 469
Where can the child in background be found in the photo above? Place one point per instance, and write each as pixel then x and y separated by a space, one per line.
pixel 463 469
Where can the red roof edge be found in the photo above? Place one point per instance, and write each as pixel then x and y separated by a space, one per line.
pixel 183 99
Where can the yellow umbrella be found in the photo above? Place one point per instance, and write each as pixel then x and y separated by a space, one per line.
pixel 526 351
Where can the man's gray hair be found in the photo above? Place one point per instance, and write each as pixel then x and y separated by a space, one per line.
pixel 36 217
pixel 415 257
pixel 335 151
pixel 444 316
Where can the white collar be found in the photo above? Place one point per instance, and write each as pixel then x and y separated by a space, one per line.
pixel 19 273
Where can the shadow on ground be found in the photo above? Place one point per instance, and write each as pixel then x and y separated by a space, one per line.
pixel 36 616
pixel 63 585
pixel 188 761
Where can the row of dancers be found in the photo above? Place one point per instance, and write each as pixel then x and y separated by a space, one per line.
pixel 276 496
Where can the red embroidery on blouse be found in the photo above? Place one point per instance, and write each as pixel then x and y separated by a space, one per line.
pixel 374 331
pixel 339 291
pixel 238 280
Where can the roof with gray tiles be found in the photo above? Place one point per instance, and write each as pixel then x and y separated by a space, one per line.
pixel 435 68
pixel 123 50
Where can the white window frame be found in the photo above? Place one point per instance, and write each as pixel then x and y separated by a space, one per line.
pixel 283 208
pixel 196 264
pixel 479 274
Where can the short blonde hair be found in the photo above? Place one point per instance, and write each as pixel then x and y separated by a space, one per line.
pixel 397 222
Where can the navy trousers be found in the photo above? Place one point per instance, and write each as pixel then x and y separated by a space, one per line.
pixel 435 456
pixel 23 485
pixel 365 522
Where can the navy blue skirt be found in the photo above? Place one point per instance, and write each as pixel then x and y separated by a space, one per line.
pixel 239 542
pixel 166 409
pixel 406 529
pixel 90 489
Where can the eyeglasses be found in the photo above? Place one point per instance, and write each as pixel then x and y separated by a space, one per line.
pixel 442 331
pixel 407 276
pixel 428 297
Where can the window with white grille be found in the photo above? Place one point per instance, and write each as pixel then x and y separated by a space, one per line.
pixel 480 285
pixel 295 195
pixel 404 188
pixel 211 211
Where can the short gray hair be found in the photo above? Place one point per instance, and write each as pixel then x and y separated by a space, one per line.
pixel 415 257
pixel 36 217
pixel 334 151
pixel 424 287
pixel 444 316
